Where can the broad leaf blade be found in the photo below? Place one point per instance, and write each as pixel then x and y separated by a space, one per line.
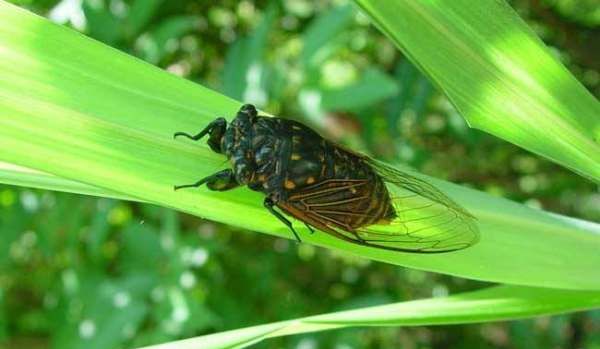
pixel 72 107
pixel 498 74
pixel 16 175
pixel 491 304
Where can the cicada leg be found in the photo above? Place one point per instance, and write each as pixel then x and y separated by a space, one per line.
pixel 269 205
pixel 312 231
pixel 220 181
pixel 216 130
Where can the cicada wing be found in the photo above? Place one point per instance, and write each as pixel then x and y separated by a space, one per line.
pixel 333 203
pixel 427 221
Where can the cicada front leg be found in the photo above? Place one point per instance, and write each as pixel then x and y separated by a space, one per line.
pixel 216 130
pixel 220 181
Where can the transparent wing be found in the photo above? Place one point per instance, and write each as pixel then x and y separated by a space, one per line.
pixel 427 221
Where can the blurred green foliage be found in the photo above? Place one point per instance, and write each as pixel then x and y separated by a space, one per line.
pixel 82 272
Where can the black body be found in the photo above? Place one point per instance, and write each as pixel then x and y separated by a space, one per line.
pixel 281 157
pixel 331 188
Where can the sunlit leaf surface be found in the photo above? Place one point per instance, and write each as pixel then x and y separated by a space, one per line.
pixel 75 108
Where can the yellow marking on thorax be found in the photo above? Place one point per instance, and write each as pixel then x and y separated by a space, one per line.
pixel 289 184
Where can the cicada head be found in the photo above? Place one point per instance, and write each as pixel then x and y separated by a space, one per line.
pixel 247 114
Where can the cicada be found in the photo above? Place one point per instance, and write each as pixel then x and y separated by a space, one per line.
pixel 328 187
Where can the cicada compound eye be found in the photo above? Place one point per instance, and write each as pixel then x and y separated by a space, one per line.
pixel 249 110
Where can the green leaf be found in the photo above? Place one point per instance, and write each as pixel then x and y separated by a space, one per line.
pixel 140 14
pixel 75 108
pixel 321 32
pixel 586 12
pixel 491 304
pixel 102 24
pixel 373 86
pixel 112 311
pixel 16 175
pixel 498 74
pixel 162 40
pixel 245 55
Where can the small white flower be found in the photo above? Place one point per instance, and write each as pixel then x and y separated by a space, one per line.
pixel 199 257
pixel 87 329
pixel 121 299
pixel 187 280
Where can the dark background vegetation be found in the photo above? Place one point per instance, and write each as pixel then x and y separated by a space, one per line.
pixel 85 272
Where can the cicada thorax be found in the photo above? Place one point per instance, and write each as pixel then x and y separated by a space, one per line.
pixel 254 146
pixel 236 144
